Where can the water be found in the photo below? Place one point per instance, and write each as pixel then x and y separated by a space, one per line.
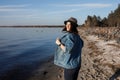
pixel 25 47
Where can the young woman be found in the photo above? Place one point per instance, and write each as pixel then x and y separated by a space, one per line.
pixel 68 52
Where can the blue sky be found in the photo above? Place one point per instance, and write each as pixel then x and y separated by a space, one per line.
pixel 52 12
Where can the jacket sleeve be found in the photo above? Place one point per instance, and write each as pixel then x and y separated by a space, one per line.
pixel 69 44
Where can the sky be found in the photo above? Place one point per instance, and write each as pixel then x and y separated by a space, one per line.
pixel 52 12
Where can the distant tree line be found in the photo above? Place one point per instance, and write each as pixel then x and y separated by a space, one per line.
pixel 112 20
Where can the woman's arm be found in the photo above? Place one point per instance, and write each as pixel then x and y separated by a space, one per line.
pixel 58 42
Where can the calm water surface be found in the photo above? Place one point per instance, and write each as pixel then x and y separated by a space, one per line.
pixel 25 47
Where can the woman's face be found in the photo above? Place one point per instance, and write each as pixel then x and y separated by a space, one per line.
pixel 68 26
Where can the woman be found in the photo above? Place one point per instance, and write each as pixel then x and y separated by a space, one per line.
pixel 68 53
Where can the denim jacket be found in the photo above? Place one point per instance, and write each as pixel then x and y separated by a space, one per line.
pixel 71 57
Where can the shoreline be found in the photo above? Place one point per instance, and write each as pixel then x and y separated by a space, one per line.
pixel 48 71
pixel 98 62
pixel 92 67
pixel 29 72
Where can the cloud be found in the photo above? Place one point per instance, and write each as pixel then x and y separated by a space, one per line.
pixel 89 5
pixel 8 10
pixel 64 11
pixel 77 7
pixel 13 11
pixel 16 16
pixel 23 16
pixel 13 7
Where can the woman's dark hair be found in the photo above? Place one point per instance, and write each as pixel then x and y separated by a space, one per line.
pixel 73 28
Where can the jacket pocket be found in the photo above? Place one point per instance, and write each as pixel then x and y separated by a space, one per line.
pixel 65 58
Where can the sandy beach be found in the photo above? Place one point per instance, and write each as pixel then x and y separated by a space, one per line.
pixel 100 61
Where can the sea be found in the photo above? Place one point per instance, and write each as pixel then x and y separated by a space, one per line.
pixel 22 50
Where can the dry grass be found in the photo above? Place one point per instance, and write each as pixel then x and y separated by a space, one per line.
pixel 114 45
pixel 105 33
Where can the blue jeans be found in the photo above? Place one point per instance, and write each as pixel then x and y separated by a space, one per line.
pixel 71 74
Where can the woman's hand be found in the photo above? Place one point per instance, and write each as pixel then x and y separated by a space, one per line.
pixel 58 41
